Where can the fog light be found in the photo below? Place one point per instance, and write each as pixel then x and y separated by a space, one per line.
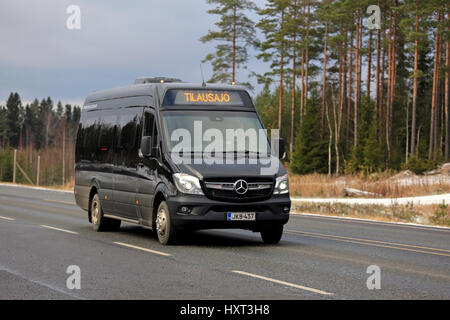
pixel 286 209
pixel 184 210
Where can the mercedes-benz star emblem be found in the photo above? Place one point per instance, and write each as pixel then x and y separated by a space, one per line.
pixel 241 186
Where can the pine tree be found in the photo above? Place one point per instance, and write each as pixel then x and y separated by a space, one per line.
pixel 236 33
pixel 59 110
pixel 310 153
pixel 13 106
pixel 273 49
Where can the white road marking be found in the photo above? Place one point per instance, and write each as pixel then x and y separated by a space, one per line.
pixel 283 283
pixel 143 249
pixel 6 218
pixel 58 229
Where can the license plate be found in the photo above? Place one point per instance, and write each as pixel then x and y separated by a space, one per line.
pixel 241 216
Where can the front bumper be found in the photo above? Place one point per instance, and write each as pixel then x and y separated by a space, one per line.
pixel 210 214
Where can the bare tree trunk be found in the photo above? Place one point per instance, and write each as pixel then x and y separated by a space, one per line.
pixel 356 87
pixel 389 84
pixel 305 96
pixel 438 113
pixel 393 74
pixel 431 149
pixel 344 86
pixel 330 141
pixel 382 86
pixel 414 101
pixel 377 78
pixel 407 132
pixel 233 79
pixel 447 96
pixel 302 85
pixel 369 66
pixel 324 76
pixel 350 88
pixel 337 129
pixel 280 98
pixel 293 95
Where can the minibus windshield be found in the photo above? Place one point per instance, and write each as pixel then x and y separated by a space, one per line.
pixel 215 131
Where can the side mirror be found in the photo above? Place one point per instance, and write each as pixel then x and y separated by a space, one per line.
pixel 281 152
pixel 146 146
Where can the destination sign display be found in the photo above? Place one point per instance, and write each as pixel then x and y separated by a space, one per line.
pixel 195 97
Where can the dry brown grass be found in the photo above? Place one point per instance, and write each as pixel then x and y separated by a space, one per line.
pixel 67 187
pixel 383 184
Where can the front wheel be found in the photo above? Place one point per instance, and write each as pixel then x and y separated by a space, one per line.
pixel 271 234
pixel 165 230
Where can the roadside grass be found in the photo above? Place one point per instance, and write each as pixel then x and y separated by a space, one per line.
pixel 420 214
pixel 383 185
pixel 324 186
pixel 67 187
pixel 441 215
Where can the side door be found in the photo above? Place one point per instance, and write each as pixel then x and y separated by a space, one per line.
pixel 126 161
pixel 147 169
pixel 104 155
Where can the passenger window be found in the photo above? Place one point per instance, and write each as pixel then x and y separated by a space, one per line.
pixel 91 135
pixel 128 134
pixel 107 132
pixel 130 126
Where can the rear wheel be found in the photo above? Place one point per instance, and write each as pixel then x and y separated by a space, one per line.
pixel 99 222
pixel 165 230
pixel 271 234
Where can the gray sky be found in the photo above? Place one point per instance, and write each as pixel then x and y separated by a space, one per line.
pixel 118 41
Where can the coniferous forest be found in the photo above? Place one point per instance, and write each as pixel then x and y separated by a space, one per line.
pixel 351 90
pixel 40 129
pixel 348 96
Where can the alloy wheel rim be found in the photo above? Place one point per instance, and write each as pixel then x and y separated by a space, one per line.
pixel 95 212
pixel 161 222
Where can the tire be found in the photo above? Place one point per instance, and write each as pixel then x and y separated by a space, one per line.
pixel 99 222
pixel 165 230
pixel 271 234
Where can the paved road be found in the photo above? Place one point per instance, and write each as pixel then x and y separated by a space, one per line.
pixel 43 232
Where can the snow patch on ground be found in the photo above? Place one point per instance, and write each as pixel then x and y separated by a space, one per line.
pixel 421 200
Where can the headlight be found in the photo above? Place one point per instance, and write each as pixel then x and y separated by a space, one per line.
pixel 187 184
pixel 281 185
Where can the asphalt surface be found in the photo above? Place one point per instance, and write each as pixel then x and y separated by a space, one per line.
pixel 42 233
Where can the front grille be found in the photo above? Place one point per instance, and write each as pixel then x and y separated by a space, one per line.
pixel 223 189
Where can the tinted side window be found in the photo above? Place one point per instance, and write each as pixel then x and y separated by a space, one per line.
pixel 106 137
pixel 128 123
pixel 129 138
pixel 91 132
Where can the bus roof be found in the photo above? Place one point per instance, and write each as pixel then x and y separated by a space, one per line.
pixel 153 89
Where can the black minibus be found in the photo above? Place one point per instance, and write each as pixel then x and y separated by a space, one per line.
pixel 171 156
